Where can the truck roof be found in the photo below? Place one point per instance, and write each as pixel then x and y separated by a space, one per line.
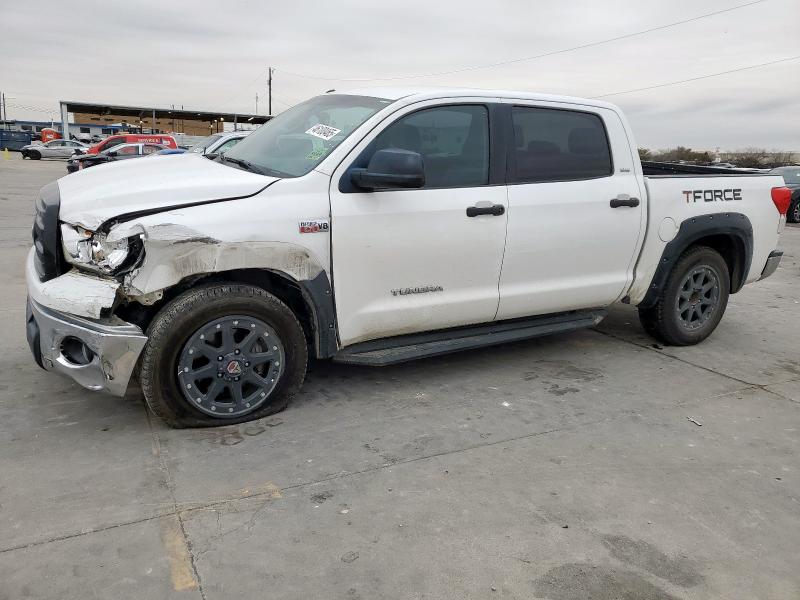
pixel 433 92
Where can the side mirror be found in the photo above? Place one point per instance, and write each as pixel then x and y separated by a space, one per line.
pixel 391 168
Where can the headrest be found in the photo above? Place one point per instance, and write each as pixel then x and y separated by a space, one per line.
pixel 405 137
pixel 587 140
pixel 542 148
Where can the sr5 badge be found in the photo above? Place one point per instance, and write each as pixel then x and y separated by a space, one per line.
pixel 316 226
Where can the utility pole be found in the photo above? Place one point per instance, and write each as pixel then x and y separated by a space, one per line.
pixel 5 111
pixel 256 103
pixel 269 87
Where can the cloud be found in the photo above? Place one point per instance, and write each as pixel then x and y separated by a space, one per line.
pixel 211 55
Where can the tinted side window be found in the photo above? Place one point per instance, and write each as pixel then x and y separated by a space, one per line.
pixel 453 142
pixel 559 145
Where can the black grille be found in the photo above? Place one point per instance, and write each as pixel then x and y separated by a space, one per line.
pixel 46 235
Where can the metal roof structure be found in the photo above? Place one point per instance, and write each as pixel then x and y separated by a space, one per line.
pixel 149 113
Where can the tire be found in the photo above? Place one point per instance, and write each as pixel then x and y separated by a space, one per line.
pixel 793 216
pixel 34 155
pixel 177 344
pixel 693 299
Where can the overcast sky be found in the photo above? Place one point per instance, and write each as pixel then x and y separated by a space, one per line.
pixel 214 55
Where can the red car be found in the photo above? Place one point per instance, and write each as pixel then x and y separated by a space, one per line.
pixel 133 138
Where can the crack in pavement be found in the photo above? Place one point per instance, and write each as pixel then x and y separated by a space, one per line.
pixel 748 384
pixel 179 509
pixel 181 580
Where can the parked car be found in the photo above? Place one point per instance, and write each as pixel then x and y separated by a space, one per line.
pixel 133 138
pixel 113 154
pixel 376 227
pixel 791 177
pixel 53 149
pixel 219 142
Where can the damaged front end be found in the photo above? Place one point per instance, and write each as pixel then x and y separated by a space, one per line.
pixel 71 330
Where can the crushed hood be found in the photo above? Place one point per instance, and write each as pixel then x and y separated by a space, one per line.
pixel 92 196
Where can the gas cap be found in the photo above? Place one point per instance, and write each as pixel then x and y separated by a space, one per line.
pixel 667 230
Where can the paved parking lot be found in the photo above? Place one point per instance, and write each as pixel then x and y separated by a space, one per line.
pixel 565 467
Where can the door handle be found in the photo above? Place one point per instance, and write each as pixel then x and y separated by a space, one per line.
pixel 492 209
pixel 624 200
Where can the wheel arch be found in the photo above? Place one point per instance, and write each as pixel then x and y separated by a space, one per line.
pixel 730 234
pixel 311 301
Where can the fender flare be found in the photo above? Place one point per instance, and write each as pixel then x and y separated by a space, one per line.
pixel 735 226
pixel 318 296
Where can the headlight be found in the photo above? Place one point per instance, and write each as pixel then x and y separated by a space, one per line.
pixel 93 251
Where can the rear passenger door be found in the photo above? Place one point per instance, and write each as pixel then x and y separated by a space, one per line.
pixel 568 245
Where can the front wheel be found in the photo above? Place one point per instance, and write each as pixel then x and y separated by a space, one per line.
pixel 34 155
pixel 693 300
pixel 222 354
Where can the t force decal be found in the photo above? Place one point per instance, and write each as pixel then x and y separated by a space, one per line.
pixel 712 195
pixel 423 289
pixel 316 226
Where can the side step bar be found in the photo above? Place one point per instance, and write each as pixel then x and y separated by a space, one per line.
pixel 390 351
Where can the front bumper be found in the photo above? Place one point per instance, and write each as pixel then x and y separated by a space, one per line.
pixel 113 347
pixel 771 266
pixel 70 331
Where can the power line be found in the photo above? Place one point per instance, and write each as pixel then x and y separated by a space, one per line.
pixel 660 85
pixel 529 58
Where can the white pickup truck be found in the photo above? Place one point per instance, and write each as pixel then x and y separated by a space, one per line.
pixel 379 226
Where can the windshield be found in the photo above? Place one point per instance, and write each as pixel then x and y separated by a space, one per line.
pixel 297 140
pixel 791 175
pixel 204 143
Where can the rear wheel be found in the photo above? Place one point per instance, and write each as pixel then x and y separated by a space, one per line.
pixel 693 300
pixel 222 354
pixel 34 155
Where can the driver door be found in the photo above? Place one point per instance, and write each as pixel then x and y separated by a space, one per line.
pixel 412 260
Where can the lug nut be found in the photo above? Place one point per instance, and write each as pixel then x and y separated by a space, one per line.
pixel 236 351
pixel 236 379
pixel 246 364
pixel 219 358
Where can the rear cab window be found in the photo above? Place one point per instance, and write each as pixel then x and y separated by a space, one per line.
pixel 554 144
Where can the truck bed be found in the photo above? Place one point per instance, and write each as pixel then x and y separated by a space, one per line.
pixel 656 169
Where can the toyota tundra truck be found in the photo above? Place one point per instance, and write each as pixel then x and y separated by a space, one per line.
pixel 379 226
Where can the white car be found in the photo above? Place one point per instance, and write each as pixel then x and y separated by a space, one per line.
pixel 53 149
pixel 374 227
pixel 218 143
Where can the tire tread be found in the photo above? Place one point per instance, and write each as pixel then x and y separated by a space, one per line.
pixel 159 333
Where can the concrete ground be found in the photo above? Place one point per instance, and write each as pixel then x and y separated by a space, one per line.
pixel 565 467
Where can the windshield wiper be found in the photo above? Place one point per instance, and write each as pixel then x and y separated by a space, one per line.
pixel 244 164
pixel 248 166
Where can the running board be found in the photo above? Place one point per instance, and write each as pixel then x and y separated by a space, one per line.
pixel 390 351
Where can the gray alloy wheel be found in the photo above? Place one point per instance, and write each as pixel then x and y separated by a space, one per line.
pixel 230 366
pixel 698 297
pixel 691 301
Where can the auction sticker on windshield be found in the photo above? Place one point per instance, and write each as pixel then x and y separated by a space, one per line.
pixel 325 132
